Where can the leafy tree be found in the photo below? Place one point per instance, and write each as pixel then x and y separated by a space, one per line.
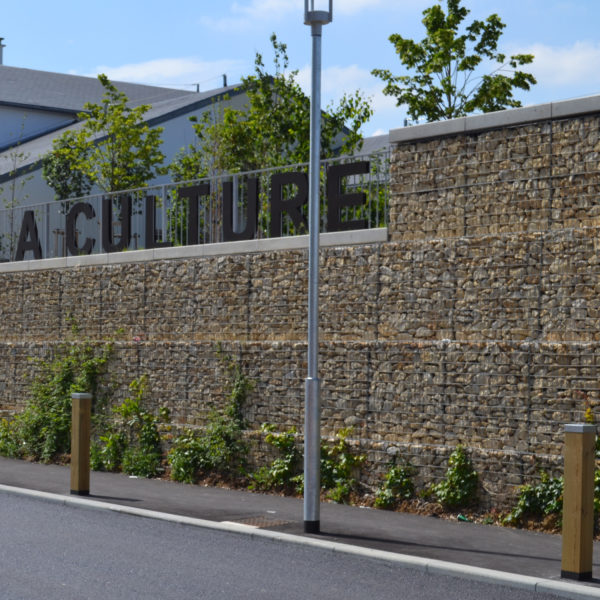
pixel 445 62
pixel 57 168
pixel 273 129
pixel 113 148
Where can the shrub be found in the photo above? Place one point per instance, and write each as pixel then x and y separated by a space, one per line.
pixel 282 473
pixel 339 465
pixel 107 453
pixel 220 448
pixel 186 457
pixel 539 500
pixel 459 486
pixel 132 442
pixel 43 430
pixel 397 486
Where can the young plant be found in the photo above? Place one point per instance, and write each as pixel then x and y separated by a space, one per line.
pixel 397 486
pixel 339 466
pixel 220 448
pixel 114 148
pixel 186 457
pixel 539 500
pixel 132 442
pixel 446 81
pixel 282 474
pixel 43 430
pixel 459 486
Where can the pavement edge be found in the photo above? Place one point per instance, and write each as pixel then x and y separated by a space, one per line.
pixel 560 588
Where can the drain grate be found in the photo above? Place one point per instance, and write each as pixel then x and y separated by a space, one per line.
pixel 259 522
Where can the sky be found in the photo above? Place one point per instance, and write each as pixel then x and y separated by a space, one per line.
pixel 184 43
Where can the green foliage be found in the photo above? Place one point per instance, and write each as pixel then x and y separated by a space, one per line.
pixel 107 453
pixel 283 473
pixel 397 486
pixel 459 486
pixel 220 447
pixel 57 168
pixel 272 130
pixel 10 440
pixel 240 385
pixel 133 441
pixel 539 500
pixel 13 194
pixel 339 467
pixel 113 149
pixel 445 63
pixel 43 430
pixel 186 457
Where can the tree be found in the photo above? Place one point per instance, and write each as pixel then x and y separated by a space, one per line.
pixel 57 168
pixel 445 84
pixel 113 148
pixel 273 129
pixel 14 195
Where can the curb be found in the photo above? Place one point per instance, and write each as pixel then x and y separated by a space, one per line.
pixel 565 589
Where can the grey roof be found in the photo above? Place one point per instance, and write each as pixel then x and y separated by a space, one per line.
pixel 68 93
pixel 32 151
pixel 375 143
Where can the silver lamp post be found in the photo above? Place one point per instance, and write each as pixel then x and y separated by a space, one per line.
pixel 312 410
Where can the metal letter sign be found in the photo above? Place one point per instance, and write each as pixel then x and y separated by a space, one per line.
pixel 289 194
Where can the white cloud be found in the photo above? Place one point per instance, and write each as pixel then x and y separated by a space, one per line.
pixel 337 80
pixel 174 71
pixel 246 16
pixel 568 65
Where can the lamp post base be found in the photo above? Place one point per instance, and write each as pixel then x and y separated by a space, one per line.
pixel 312 526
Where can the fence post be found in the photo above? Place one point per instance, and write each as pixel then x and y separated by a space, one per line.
pixel 80 443
pixel 578 501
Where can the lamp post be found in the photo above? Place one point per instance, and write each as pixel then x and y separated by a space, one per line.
pixel 312 410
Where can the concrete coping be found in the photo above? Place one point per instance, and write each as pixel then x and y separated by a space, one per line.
pixel 296 242
pixel 495 120
pixel 580 428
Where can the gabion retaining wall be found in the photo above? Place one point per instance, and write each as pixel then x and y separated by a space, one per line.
pixel 477 323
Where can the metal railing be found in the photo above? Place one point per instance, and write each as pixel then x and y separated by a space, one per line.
pixel 250 205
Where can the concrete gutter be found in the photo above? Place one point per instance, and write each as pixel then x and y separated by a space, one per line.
pixel 564 589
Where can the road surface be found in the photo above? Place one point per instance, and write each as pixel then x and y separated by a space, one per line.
pixel 56 552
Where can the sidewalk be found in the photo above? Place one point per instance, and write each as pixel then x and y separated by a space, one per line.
pixel 511 551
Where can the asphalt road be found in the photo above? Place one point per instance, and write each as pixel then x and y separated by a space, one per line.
pixel 51 551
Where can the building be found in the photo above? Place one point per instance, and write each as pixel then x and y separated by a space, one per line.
pixel 38 106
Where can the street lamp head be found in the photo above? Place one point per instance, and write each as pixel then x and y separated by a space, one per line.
pixel 318 12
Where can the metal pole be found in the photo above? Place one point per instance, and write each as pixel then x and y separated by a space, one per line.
pixel 312 415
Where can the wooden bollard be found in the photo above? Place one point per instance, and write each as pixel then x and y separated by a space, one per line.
pixel 578 502
pixel 80 443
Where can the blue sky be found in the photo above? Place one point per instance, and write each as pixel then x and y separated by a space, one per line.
pixel 185 42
